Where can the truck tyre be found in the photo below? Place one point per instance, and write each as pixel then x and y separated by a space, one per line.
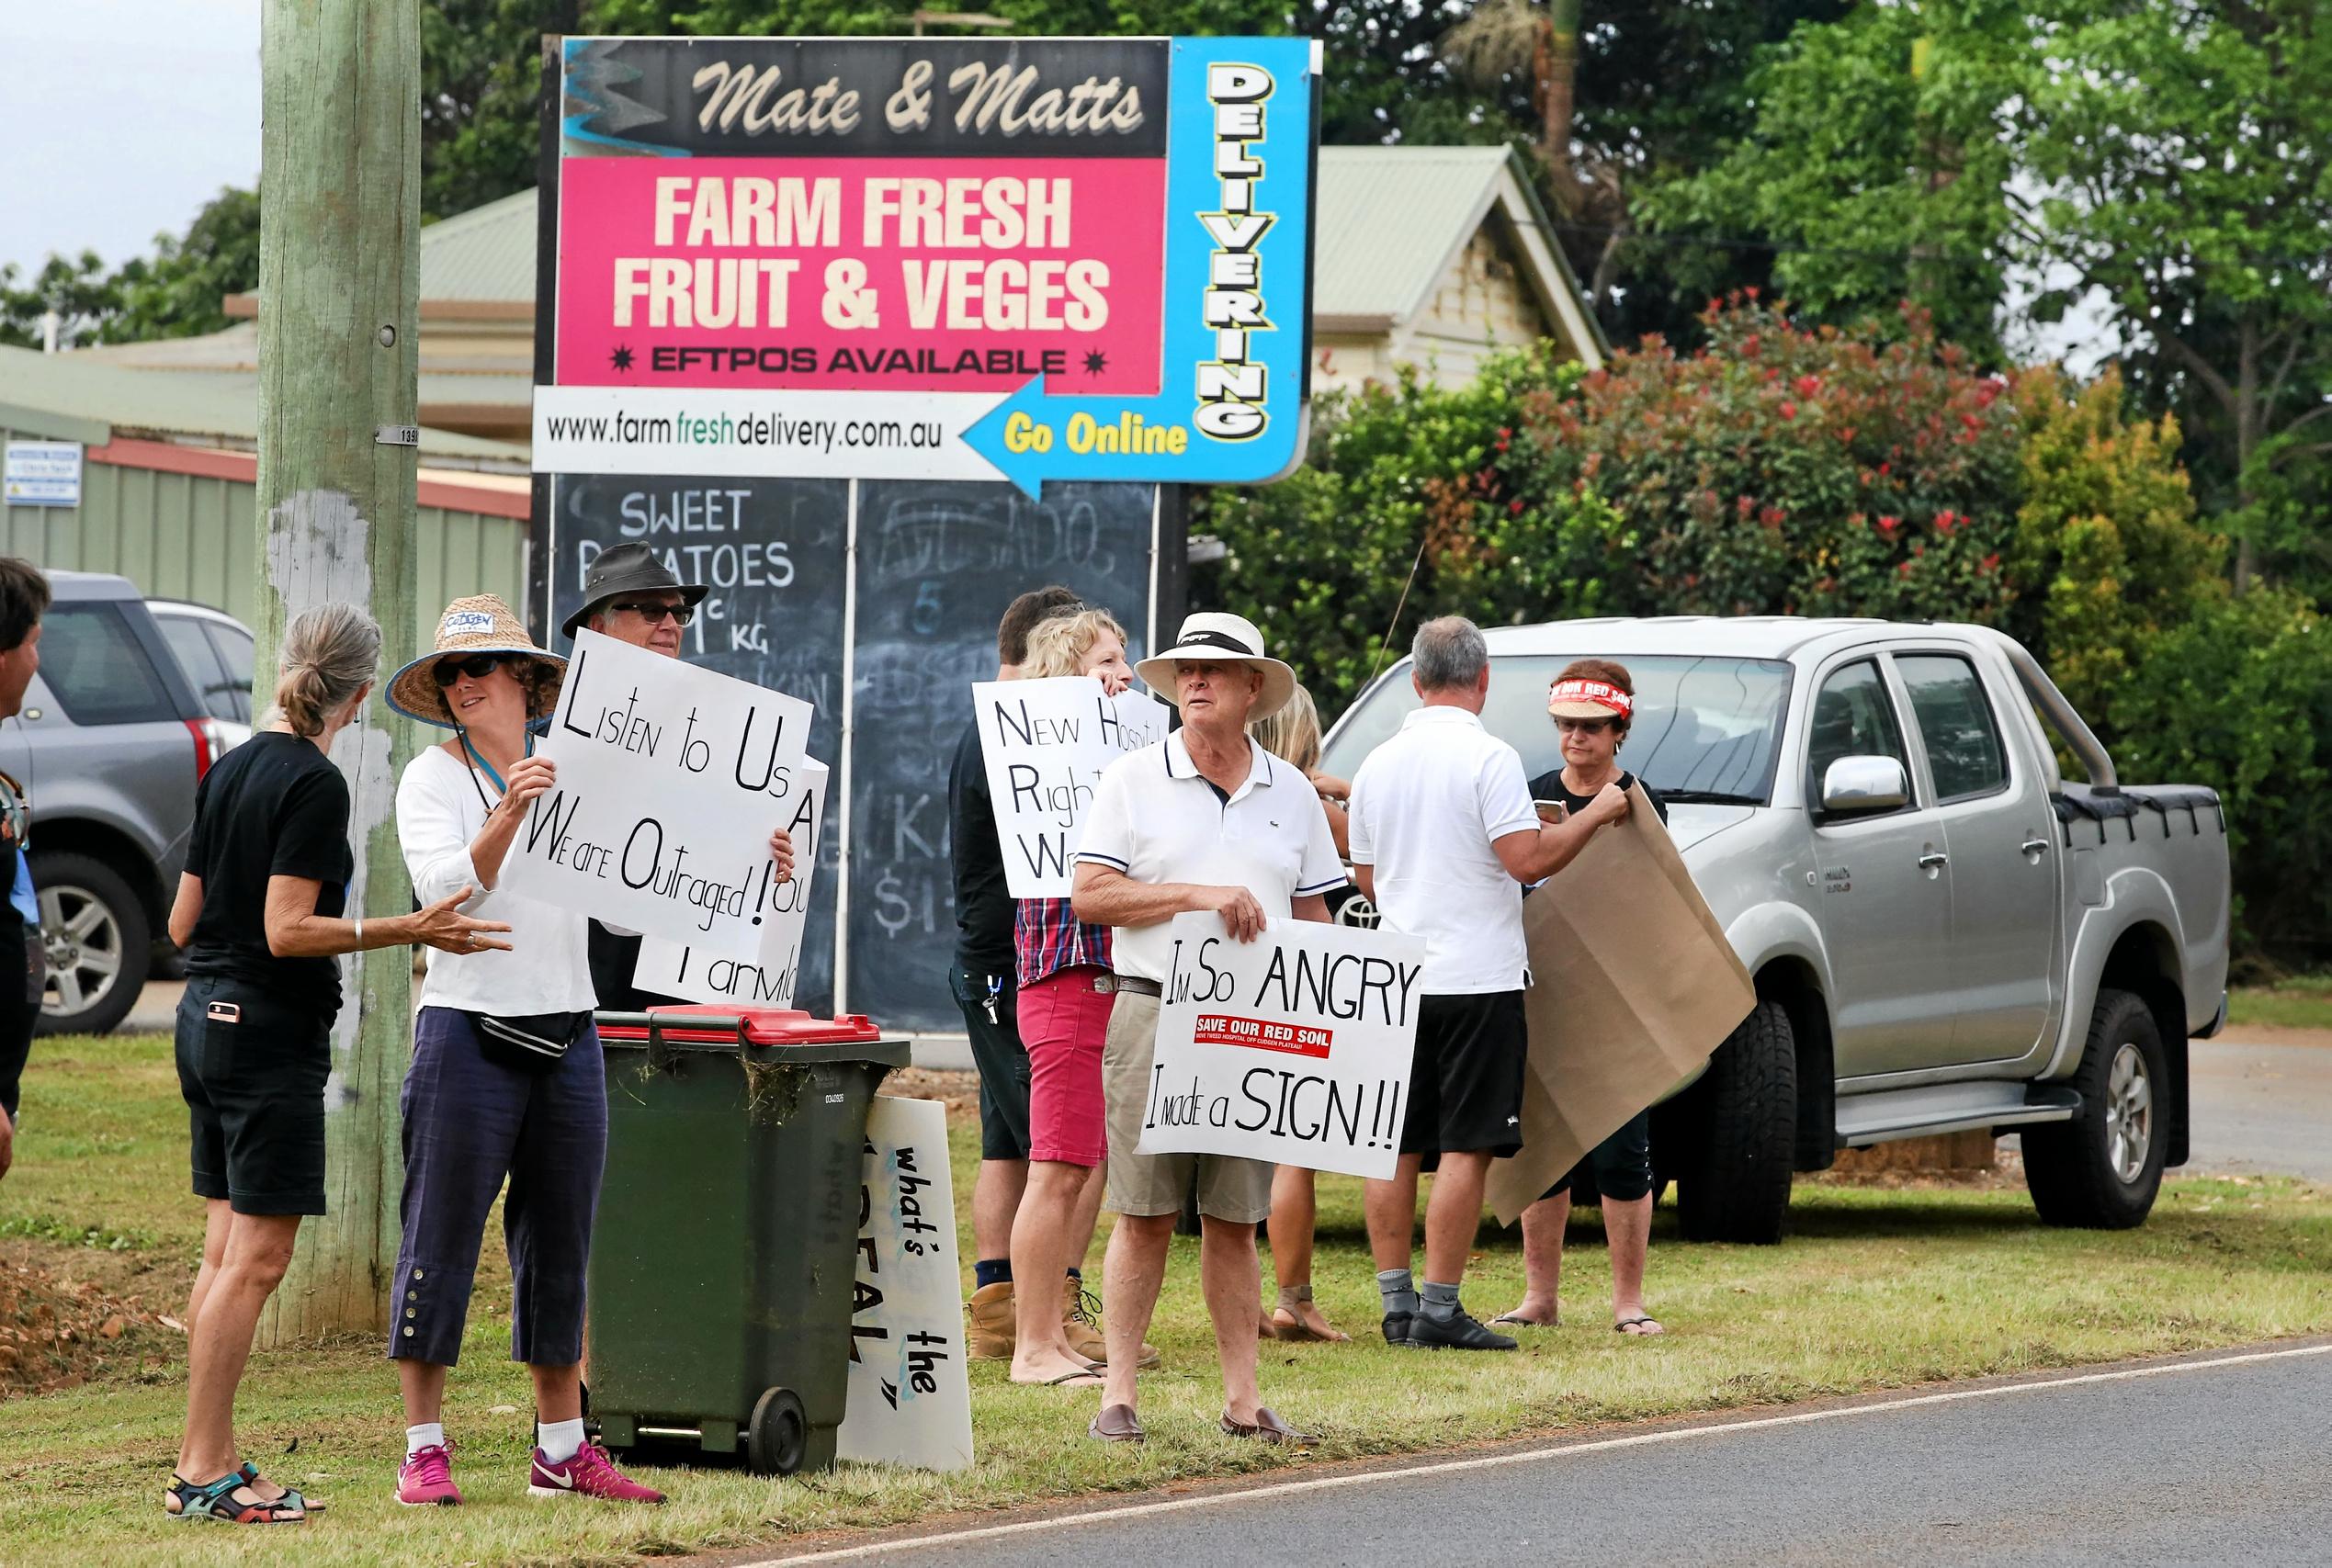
pixel 2101 1169
pixel 1736 1186
pixel 96 939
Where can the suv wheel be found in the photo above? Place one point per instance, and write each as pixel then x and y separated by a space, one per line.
pixel 96 939
pixel 2101 1169
pixel 1737 1187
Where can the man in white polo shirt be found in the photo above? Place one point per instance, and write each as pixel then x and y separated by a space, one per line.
pixel 1444 836
pixel 1203 820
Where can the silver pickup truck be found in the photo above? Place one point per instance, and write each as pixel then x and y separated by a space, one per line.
pixel 1946 934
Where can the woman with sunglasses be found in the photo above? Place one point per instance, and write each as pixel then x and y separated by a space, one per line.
pixel 261 912
pixel 1592 703
pixel 506 1081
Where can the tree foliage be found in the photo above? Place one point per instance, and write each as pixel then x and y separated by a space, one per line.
pixel 178 293
pixel 2163 167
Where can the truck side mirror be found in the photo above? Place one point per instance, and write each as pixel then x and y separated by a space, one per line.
pixel 1856 785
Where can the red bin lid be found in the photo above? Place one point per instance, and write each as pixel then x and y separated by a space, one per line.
pixel 766 1026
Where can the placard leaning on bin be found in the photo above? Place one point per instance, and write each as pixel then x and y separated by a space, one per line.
pixel 506 1078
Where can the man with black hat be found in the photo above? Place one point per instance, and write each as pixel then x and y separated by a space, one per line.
pixel 631 595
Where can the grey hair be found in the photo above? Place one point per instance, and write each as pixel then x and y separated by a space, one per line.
pixel 1449 653
pixel 329 653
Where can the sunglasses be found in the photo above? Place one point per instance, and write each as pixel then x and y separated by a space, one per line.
pixel 478 666
pixel 653 612
pixel 1582 726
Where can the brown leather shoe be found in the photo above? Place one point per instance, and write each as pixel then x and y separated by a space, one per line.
pixel 1115 1424
pixel 1082 1327
pixel 1266 1427
pixel 993 1334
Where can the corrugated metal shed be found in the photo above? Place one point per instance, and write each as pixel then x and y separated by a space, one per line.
pixel 169 500
pixel 487 253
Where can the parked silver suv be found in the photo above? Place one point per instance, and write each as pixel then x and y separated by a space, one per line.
pixel 111 742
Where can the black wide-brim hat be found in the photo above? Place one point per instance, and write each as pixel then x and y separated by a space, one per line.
pixel 630 567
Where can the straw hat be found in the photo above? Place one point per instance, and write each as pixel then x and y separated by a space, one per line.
pixel 479 624
pixel 1222 640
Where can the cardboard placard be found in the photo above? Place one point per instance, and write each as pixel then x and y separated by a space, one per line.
pixel 910 1399
pixel 671 778
pixel 1633 985
pixel 1294 1048
pixel 1046 743
pixel 768 979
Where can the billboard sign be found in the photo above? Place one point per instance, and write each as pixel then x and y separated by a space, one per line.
pixel 1024 259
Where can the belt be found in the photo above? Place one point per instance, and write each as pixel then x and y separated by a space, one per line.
pixel 1129 983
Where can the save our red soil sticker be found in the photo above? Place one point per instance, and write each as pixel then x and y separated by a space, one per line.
pixel 1262 1034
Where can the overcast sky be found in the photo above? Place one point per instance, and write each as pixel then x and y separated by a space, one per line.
pixel 118 118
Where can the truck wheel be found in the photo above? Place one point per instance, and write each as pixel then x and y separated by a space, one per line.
pixel 779 1435
pixel 2101 1169
pixel 1738 1184
pixel 97 941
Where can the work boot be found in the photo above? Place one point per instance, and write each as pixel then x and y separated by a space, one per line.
pixel 1081 1324
pixel 991 1321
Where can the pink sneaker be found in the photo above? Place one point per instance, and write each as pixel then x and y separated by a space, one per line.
pixel 588 1474
pixel 426 1478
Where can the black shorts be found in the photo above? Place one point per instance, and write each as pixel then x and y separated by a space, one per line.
pixel 1466 1081
pixel 1000 1059
pixel 255 1091
pixel 1620 1167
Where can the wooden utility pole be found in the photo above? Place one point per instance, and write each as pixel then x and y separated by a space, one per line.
pixel 339 280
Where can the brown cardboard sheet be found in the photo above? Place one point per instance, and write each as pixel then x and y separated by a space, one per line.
pixel 1634 986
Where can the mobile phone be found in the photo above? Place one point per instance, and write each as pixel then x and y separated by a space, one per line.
pixel 1551 811
pixel 226 1012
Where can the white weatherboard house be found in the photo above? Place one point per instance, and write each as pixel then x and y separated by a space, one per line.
pixel 1430 256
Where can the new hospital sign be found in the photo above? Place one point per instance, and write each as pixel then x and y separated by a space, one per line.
pixel 1025 259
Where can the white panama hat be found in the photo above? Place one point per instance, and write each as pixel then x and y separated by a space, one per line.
pixel 1221 638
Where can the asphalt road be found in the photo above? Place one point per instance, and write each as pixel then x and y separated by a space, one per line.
pixel 2262 1108
pixel 2212 1461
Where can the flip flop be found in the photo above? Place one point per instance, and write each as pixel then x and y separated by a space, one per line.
pixel 1066 1380
pixel 1523 1321
pixel 1624 1324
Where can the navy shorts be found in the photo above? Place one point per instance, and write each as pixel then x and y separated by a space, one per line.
pixel 1620 1167
pixel 1000 1059
pixel 254 1086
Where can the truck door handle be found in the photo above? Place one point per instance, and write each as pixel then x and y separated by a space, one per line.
pixel 2035 846
pixel 1933 859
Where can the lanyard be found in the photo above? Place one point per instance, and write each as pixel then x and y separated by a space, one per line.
pixel 487 768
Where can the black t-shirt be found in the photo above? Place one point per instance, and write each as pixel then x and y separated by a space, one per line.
pixel 273 806
pixel 614 958
pixel 1549 787
pixel 983 901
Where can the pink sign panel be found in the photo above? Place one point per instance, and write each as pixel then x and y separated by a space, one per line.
pixel 872 274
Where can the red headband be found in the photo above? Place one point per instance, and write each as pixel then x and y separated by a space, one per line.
pixel 1599 693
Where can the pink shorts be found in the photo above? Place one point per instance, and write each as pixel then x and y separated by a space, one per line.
pixel 1063 1021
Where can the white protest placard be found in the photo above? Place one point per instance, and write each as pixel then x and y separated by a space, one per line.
pixel 766 979
pixel 1046 742
pixel 1292 1048
pixel 671 779
pixel 910 1399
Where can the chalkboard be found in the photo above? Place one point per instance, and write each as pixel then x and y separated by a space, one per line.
pixel 775 554
pixel 936 565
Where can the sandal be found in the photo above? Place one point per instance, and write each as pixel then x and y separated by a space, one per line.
pixel 1293 1299
pixel 1653 1332
pixel 217 1501
pixel 1506 1317
pixel 291 1496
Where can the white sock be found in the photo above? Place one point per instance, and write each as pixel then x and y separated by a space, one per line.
pixel 429 1435
pixel 560 1440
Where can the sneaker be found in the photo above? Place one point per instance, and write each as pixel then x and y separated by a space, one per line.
pixel 1398 1330
pixel 425 1478
pixel 1459 1332
pixel 589 1475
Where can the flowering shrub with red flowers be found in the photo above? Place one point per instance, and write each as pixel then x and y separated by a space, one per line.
pixel 1792 471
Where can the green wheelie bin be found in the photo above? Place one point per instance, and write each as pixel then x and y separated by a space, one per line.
pixel 722 1262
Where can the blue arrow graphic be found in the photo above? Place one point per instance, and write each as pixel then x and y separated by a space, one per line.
pixel 1236 297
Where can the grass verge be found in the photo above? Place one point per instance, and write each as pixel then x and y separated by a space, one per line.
pixel 1875 1288
pixel 2300 1002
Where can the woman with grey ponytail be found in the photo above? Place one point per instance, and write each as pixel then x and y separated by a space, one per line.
pixel 261 913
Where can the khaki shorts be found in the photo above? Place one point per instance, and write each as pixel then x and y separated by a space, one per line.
pixel 1237 1190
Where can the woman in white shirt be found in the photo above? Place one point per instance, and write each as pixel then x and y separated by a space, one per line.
pixel 506 1081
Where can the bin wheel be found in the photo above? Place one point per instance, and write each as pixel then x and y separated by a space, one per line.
pixel 780 1433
